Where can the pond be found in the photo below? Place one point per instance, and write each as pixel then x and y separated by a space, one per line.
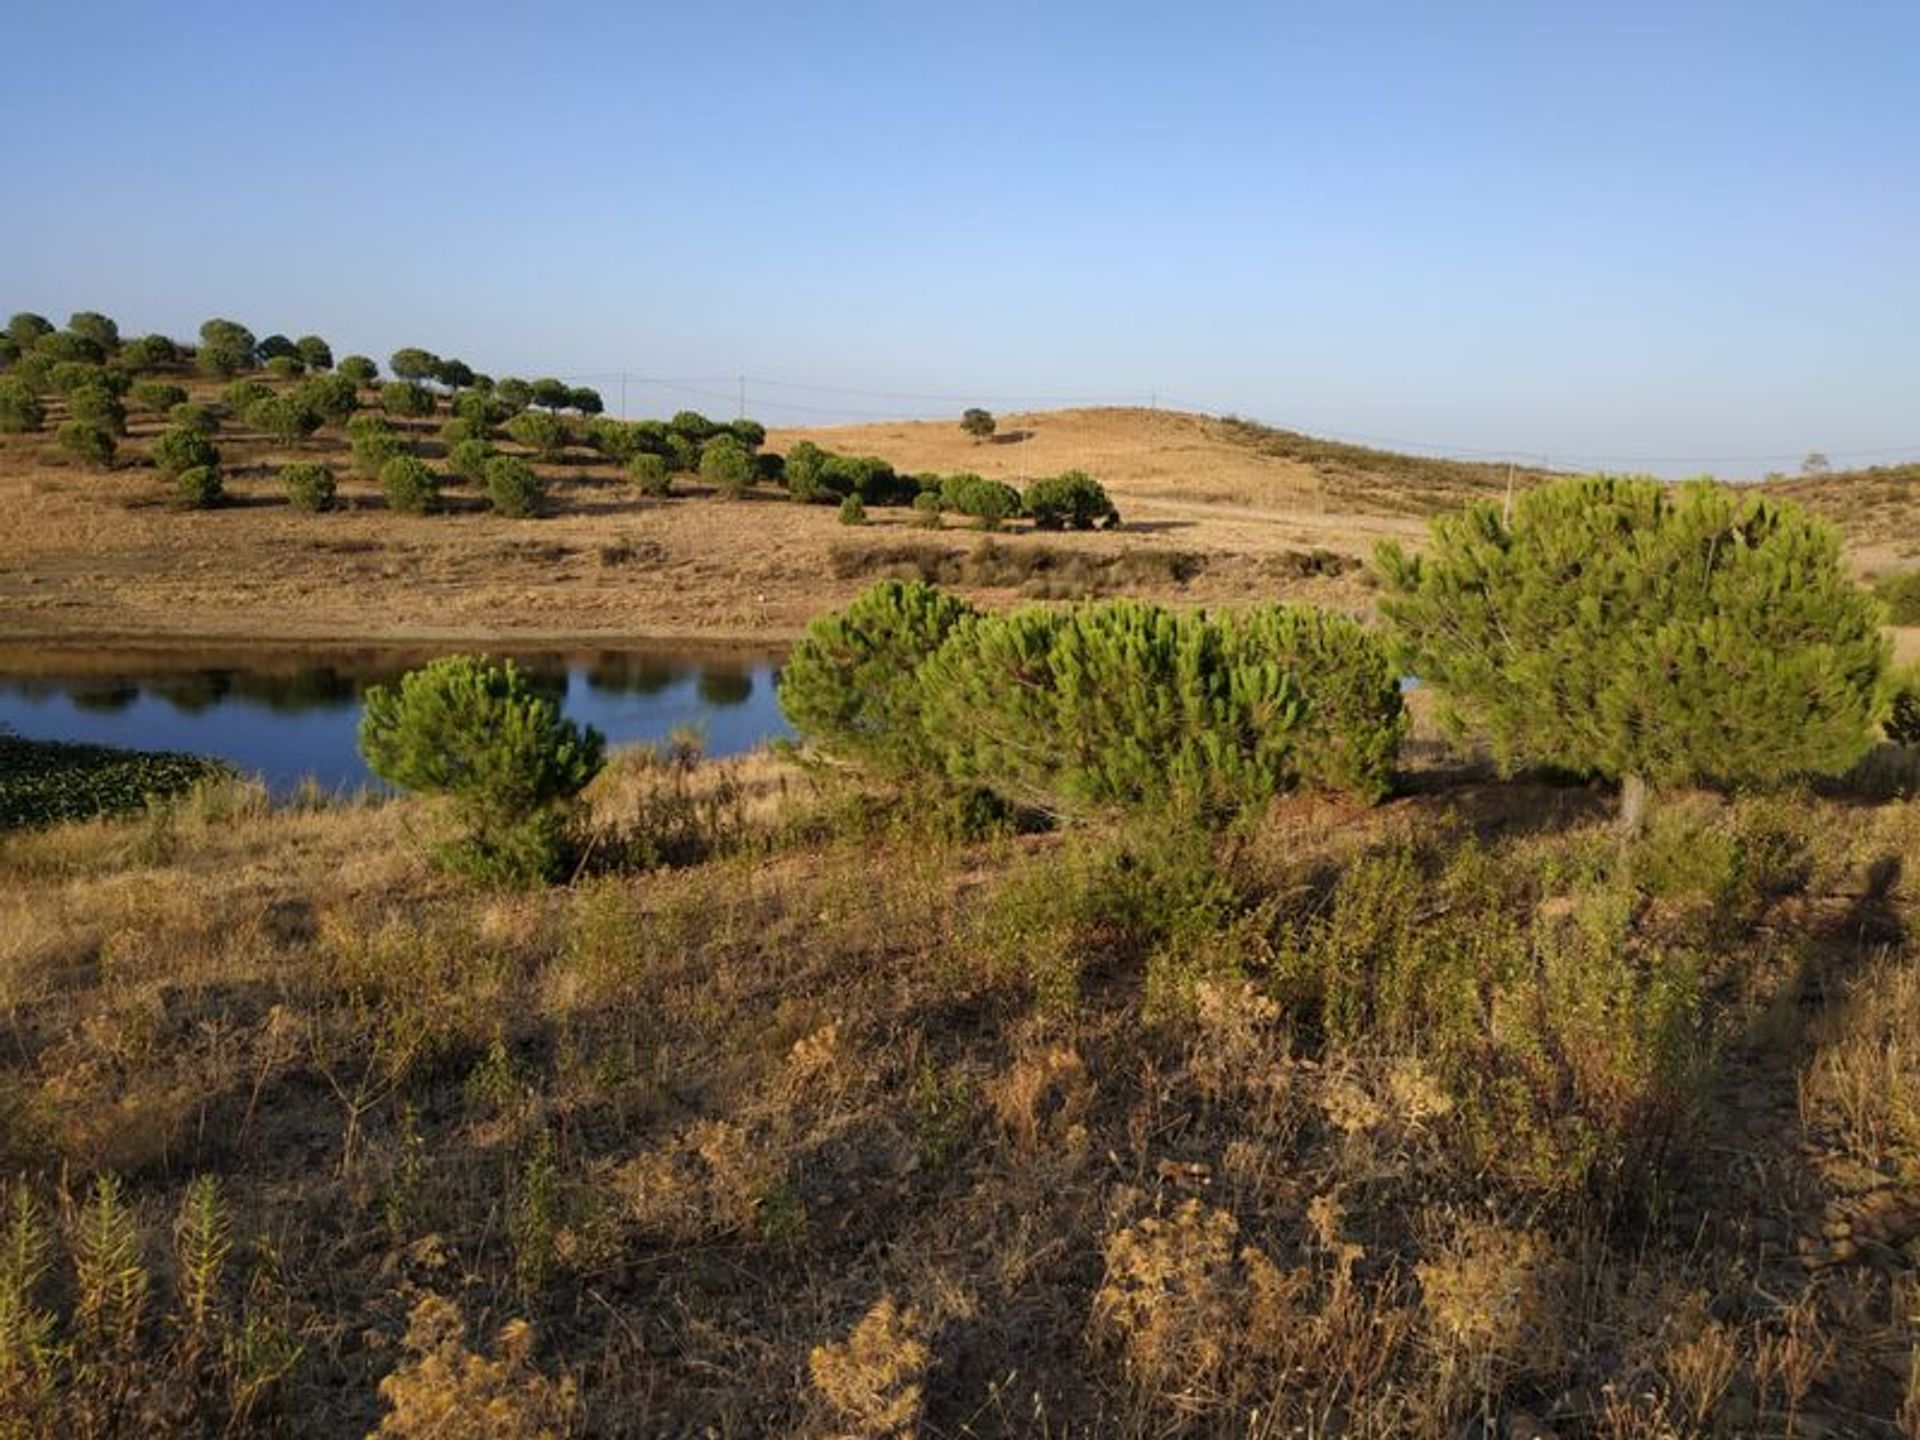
pixel 287 715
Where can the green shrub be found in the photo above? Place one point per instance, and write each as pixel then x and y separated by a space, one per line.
pixel 852 512
pixel 724 462
pixel 1123 704
pixel 457 431
pixel 1073 501
pixel 1900 593
pixel 315 352
pixel 242 395
pixel 374 442
pixel 512 487
pixel 978 423
pixel 183 448
pixel 100 329
pixel 287 367
pixel 849 685
pixel 692 425
pixel 406 398
pixel 410 487
pixel 650 475
pixel 309 485
pixel 21 412
pixel 987 501
pixel 24 328
pixel 65 345
pixel 683 455
pixel 149 352
pixel 68 376
pixel 546 435
pixel 284 417
pixel 198 418
pixel 97 405
pixel 360 369
pixel 480 734
pixel 335 398
pixel 1903 707
pixel 199 487
pixel 469 458
pixel 928 509
pixel 1644 632
pixel 87 442
pixel 414 364
pixel 159 396
pixel 226 348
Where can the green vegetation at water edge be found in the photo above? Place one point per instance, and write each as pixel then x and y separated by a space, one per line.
pixel 44 781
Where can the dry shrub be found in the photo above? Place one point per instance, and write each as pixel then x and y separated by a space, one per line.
pixel 1042 1099
pixel 1172 1298
pixel 448 1392
pixel 1863 1084
pixel 873 1379
pixel 1495 1300
pixel 707 1181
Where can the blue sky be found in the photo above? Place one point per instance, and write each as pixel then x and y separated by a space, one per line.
pixel 1590 232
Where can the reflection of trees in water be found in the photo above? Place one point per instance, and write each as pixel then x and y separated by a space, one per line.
pixel 721 687
pixel 103 696
pixel 622 672
pixel 317 687
pixel 193 691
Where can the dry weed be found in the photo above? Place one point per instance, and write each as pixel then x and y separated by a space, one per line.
pixel 873 1379
pixel 448 1392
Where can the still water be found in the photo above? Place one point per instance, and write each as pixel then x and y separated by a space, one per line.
pixel 287 715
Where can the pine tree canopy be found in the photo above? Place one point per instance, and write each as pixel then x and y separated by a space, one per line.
pixel 1633 629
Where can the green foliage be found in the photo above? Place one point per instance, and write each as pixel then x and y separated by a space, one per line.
pixel 159 396
pixel 978 423
pixel 850 684
pixel 928 509
pixel 414 364
pixel 201 419
pixel 360 369
pixel 64 345
pixel 149 352
pixel 806 474
pixel 226 348
pixel 88 443
pixel 183 448
pixel 200 487
pixel 457 431
pixel 852 512
pixel 43 782
pixel 1124 704
pixel 333 397
pixel 286 367
pixel 546 435
pixel 480 410
pixel 479 733
pixel 750 433
pixel 586 400
pixel 97 405
pixel 683 455
pixel 242 395
pixel 284 417
pixel 374 443
pixel 1073 501
pixel 726 463
pixel 988 501
pixel 1900 593
pixel 650 475
pixel 410 487
pixel 454 374
pixel 1903 706
pixel 468 459
pixel 693 426
pixel 96 327
pixel 516 395
pixel 21 412
pixel 552 394
pixel 315 353
pixel 406 397
pixel 870 478
pixel 275 347
pixel 513 489
pixel 1624 627
pixel 310 485
pixel 25 328
pixel 67 376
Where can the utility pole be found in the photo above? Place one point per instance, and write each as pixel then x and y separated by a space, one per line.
pixel 623 394
pixel 743 398
pixel 1506 514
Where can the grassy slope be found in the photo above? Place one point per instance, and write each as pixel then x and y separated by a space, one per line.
pixel 696 1123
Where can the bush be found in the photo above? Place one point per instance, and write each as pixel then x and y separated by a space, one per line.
pixel 545 434
pixel 586 400
pixel 750 433
pixel 360 369
pixel 159 396
pixel 1124 704
pixel 98 405
pixel 928 509
pixel 410 487
pixel 98 328
pixel 806 475
pixel 406 398
pixel 1903 707
pixel 68 376
pixel 199 418
pixel 374 443
pixel 287 367
pixel 650 475
pixel 21 412
pixel 1644 632
pixel 512 487
pixel 309 485
pixel 182 448
pixel 978 423
pixel 314 352
pixel 692 425
pixel 479 410
pixel 469 459
pixel 199 487
pixel 334 397
pixel 852 512
pixel 987 501
pixel 1901 595
pixel 1073 501
pixel 25 328
pixel 63 345
pixel 226 347
pixel 242 395
pixel 615 439
pixel 849 685
pixel 414 364
pixel 89 443
pixel 456 431
pixel 149 352
pixel 479 733
pixel 725 462
pixel 284 417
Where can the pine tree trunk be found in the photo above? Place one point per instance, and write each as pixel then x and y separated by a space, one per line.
pixel 1633 806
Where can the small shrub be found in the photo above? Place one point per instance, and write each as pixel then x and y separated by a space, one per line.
pixel 852 512
pixel 1900 593
pixel 310 485
pixel 727 464
pixel 410 487
pixel 928 510
pixel 406 398
pixel 513 489
pixel 650 475
pixel 978 423
pixel 480 733
pixel 287 367
pixel 97 405
pixel 987 501
pixel 1073 501
pixel 334 398
pixel 850 685
pixel 183 448
pixel 88 443
pixel 242 395
pixel 360 369
pixel 21 412
pixel 469 460
pixel 284 417
pixel 71 375
pixel 546 435
pixel 159 396
pixel 199 487
pixel 199 418
pixel 1903 707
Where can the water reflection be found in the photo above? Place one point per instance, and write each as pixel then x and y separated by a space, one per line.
pixel 287 715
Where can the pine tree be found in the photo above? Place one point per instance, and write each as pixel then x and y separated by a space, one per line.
pixel 1647 633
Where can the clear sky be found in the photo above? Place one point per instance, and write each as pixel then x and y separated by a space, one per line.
pixel 1593 232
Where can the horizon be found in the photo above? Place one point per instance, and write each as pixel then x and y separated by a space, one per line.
pixel 1676 243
